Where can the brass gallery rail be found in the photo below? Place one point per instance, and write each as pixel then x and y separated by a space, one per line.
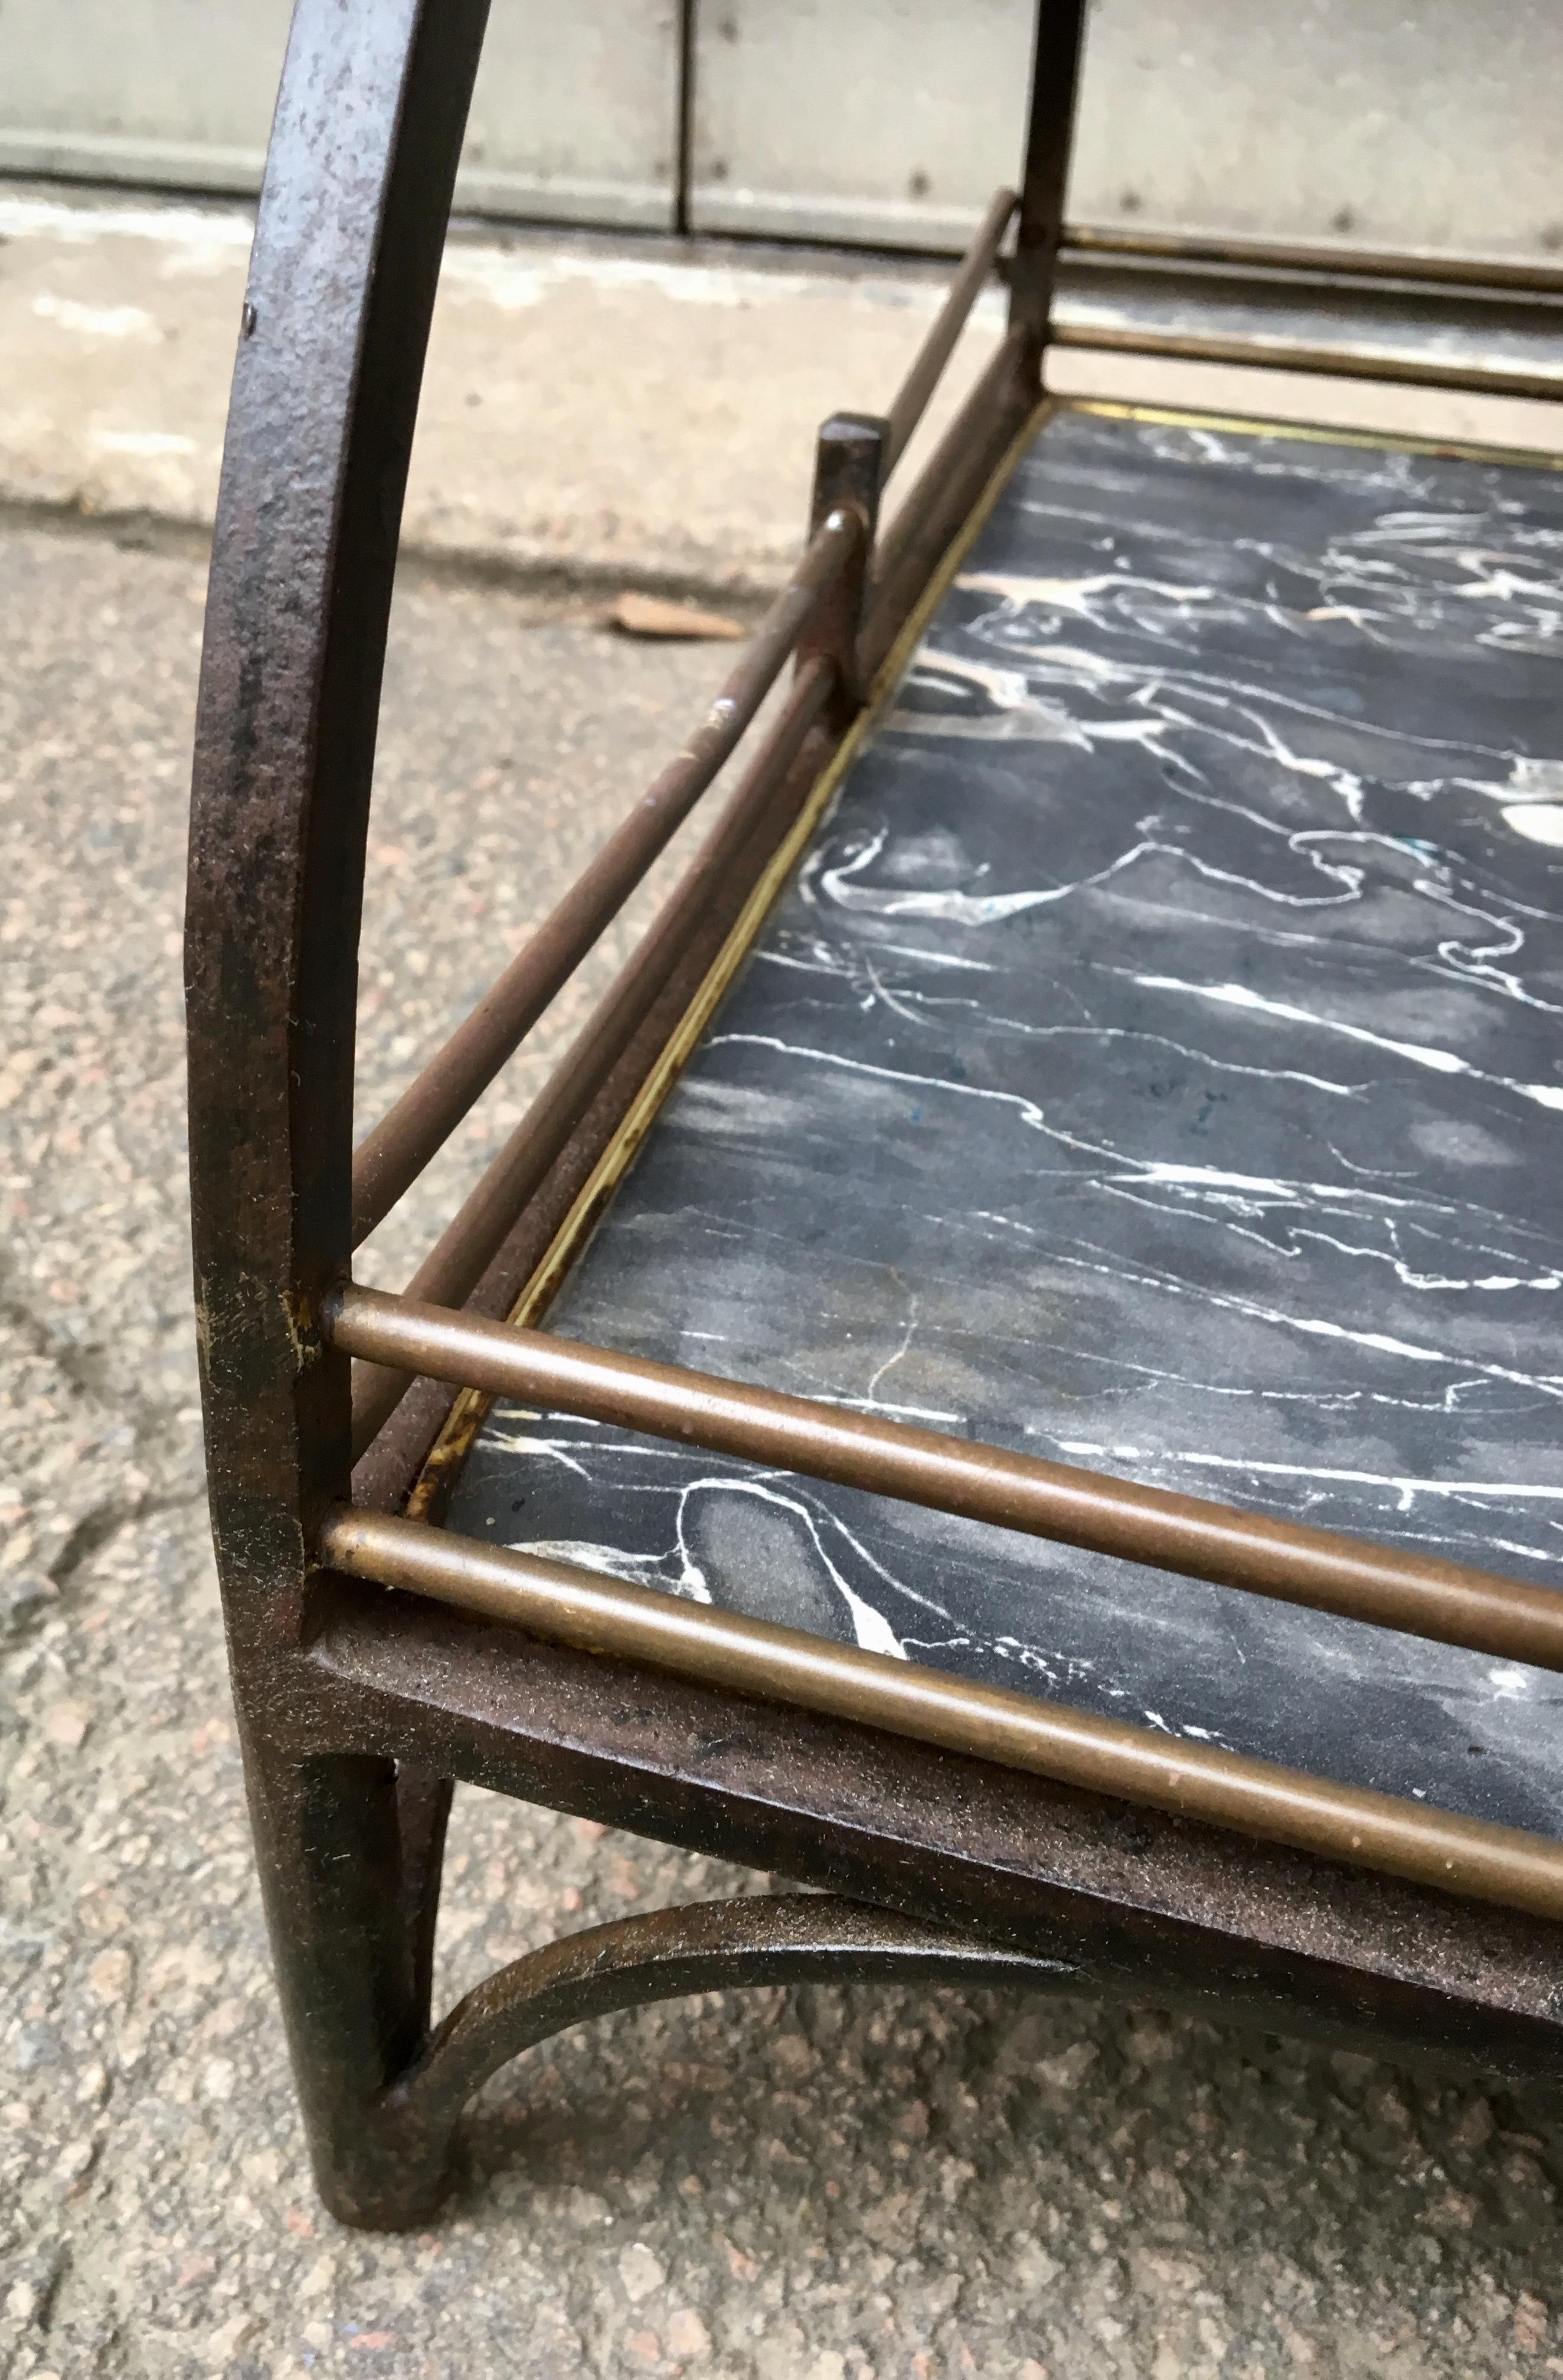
pixel 1282 1559
pixel 1315 1566
pixel 838 616
pixel 1105 1755
pixel 819 616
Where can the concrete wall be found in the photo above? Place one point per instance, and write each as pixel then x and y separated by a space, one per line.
pixel 574 117
pixel 1394 123
pixel 1391 123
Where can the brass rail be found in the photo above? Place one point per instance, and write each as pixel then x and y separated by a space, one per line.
pixel 395 1152
pixel 1420 267
pixel 1104 1755
pixel 393 1155
pixel 399 1147
pixel 1319 1568
pixel 911 400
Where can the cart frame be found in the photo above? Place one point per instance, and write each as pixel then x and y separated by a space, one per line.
pixel 375 1657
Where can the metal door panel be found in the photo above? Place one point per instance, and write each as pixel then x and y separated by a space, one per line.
pixel 1399 125
pixel 575 116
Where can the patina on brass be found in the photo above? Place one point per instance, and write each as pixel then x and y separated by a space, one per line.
pixel 1321 1568
pixel 1104 1755
pixel 948 1833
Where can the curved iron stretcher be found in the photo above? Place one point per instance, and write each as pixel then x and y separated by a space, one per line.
pixel 959 1828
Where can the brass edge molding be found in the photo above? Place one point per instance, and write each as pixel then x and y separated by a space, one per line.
pixel 452 1447
pixel 1178 416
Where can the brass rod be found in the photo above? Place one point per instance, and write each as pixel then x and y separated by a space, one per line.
pixel 456 1262
pixel 393 1155
pixel 1282 354
pixel 612 1616
pixel 1319 1568
pixel 912 398
pixel 1506 274
pixel 942 494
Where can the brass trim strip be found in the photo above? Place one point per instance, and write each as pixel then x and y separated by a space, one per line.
pixel 466 1417
pixel 1350 1824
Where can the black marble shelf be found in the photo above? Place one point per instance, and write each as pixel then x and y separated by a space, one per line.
pixel 1156 1064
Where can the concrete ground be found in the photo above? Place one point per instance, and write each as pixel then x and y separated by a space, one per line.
pixel 604 410
pixel 823 2185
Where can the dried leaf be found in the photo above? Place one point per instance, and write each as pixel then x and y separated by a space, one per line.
pixel 650 615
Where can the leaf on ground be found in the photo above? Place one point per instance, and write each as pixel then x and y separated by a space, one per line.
pixel 650 615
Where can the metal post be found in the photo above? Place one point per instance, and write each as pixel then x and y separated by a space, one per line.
pixel 848 469
pixel 1055 74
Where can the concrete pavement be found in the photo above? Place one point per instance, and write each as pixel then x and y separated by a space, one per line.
pixel 826 2185
pixel 594 412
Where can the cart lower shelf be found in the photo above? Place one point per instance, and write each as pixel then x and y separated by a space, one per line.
pixel 1156 1063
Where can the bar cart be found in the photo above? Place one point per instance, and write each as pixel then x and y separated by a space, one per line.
pixel 1104 1059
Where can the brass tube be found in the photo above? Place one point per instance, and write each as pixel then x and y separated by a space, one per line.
pixel 599 1615
pixel 1319 1568
pixel 1261 256
pixel 1282 354
pixel 941 496
pixel 912 398
pixel 393 1155
pixel 456 1262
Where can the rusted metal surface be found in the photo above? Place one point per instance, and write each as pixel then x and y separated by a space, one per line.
pixel 849 471
pixel 347 253
pixel 395 1152
pixel 1139 1902
pixel 708 1946
pixel 1055 76
pixel 912 398
pixel 1506 1618
pixel 357 1706
pixel 1104 1755
pixel 325 393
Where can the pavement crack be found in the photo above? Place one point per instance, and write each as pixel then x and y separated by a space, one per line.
pixel 76 1365
pixel 93 1530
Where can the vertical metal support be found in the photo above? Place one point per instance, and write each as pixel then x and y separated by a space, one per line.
pixel 848 469
pixel 351 1970
pixel 684 161
pixel 1055 76
pixel 348 240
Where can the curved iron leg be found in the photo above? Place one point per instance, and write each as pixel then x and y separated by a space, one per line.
pixel 709 1946
pixel 348 1854
pixel 351 1914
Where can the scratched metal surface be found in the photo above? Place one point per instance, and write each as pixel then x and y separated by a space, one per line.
pixel 1156 1064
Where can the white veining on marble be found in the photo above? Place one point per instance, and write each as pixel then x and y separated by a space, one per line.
pixel 1443 1061
pixel 1157 1063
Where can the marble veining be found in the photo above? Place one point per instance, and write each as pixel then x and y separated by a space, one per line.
pixel 1155 1062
